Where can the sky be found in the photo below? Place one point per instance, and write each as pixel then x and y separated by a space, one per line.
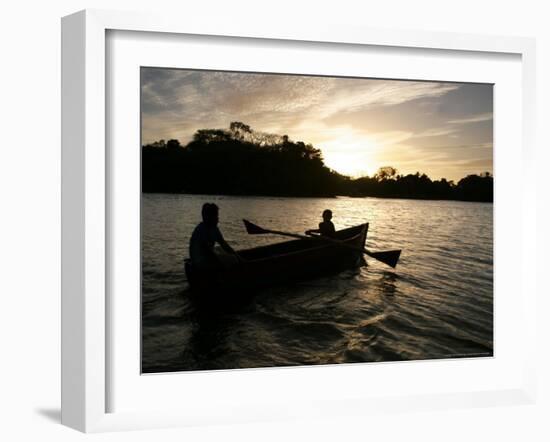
pixel 444 130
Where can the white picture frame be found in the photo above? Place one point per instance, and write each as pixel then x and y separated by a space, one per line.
pixel 86 207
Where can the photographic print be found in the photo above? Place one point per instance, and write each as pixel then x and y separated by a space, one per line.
pixel 295 220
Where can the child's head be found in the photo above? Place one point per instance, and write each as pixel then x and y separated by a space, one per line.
pixel 327 215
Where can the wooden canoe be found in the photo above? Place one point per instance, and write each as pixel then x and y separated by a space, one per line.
pixel 284 262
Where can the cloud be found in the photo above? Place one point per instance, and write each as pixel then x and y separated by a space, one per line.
pixel 280 102
pixel 435 132
pixel 364 94
pixel 449 147
pixel 479 165
pixel 474 119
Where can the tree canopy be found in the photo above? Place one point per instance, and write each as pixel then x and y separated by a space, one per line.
pixel 241 161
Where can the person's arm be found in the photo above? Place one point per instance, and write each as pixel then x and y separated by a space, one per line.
pixel 311 231
pixel 226 247
pixel 223 244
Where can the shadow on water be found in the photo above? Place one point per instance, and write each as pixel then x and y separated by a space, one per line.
pixel 306 312
pixel 208 341
pixel 210 345
pixel 388 283
pixel 317 316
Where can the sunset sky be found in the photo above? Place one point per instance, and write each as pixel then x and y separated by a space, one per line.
pixel 441 129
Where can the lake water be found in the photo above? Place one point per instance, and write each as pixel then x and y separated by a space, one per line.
pixel 437 303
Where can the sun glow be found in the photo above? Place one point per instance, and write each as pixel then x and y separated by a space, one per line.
pixel 348 156
pixel 355 154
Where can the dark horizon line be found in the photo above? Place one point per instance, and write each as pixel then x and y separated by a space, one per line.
pixel 249 195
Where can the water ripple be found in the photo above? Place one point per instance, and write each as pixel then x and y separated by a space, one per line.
pixel 438 303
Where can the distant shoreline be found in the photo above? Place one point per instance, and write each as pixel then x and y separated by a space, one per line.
pixel 315 196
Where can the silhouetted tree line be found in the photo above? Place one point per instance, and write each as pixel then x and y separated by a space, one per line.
pixel 241 161
pixel 387 183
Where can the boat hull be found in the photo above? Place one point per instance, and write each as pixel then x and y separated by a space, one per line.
pixel 284 262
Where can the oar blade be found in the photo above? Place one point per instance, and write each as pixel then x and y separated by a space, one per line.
pixel 390 257
pixel 253 229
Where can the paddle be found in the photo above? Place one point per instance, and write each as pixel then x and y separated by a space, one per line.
pixel 389 257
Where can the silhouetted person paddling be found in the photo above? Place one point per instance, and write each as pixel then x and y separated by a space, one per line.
pixel 204 238
pixel 326 228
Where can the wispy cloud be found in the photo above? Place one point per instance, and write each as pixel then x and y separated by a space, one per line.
pixel 363 94
pixel 474 119
pixel 435 132
pixel 274 100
